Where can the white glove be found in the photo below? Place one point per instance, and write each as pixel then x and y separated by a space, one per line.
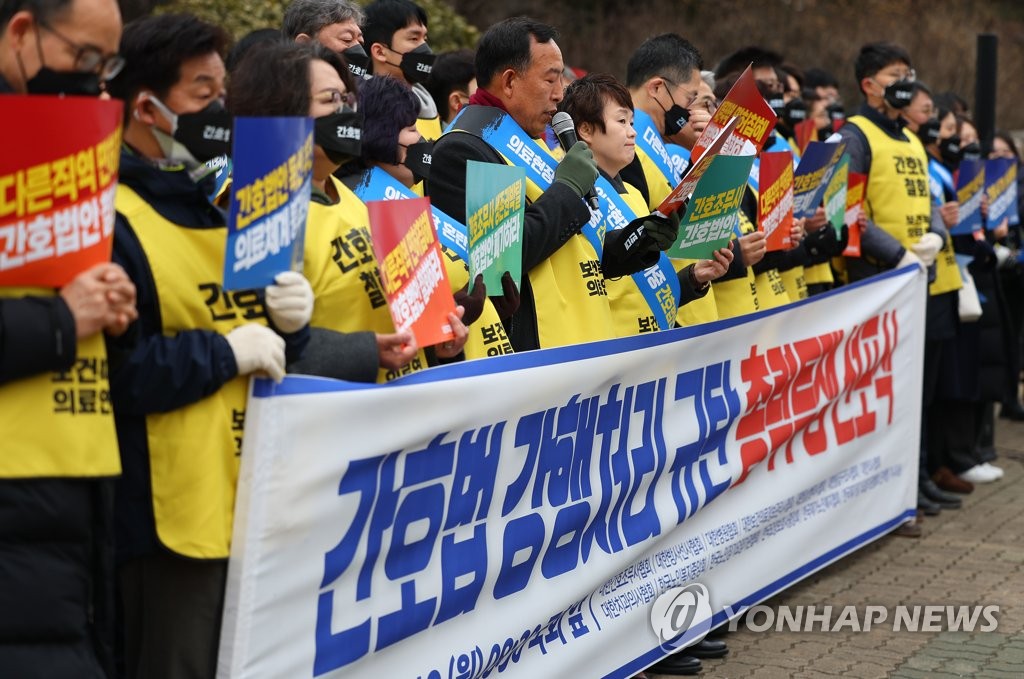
pixel 257 348
pixel 290 302
pixel 927 248
pixel 910 258
pixel 1003 254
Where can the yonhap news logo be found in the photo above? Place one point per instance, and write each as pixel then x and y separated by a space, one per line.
pixel 681 610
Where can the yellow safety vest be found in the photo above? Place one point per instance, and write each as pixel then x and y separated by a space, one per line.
pixel 59 424
pixel 193 451
pixel 898 198
pixel 738 296
pixel 796 284
pixel 816 274
pixel 771 286
pixel 630 311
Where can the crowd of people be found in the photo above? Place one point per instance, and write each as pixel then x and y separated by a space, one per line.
pixel 115 532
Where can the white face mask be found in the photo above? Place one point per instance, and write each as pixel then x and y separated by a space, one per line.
pixel 207 135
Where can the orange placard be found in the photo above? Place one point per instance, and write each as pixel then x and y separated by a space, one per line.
pixel 854 209
pixel 775 199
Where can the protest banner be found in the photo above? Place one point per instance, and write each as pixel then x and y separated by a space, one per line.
pixel 835 194
pixel 813 175
pixel 495 203
pixel 710 216
pixel 775 199
pixel 272 161
pixel 757 119
pixel 970 185
pixel 804 132
pixel 679 195
pixel 411 268
pixel 855 192
pixel 1001 187
pixel 56 190
pixel 527 535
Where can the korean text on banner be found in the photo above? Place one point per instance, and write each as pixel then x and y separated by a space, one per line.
pixel 1001 187
pixel 710 218
pixel 495 203
pixel 854 211
pixel 58 175
pixel 970 185
pixel 528 535
pixel 757 119
pixel 775 200
pixel 813 175
pixel 270 192
pixel 835 194
pixel 678 196
pixel 411 268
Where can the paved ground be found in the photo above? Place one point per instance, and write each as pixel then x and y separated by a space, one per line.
pixel 971 556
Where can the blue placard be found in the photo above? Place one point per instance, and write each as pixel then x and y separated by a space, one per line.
pixel 1001 187
pixel 970 186
pixel 270 192
pixel 812 176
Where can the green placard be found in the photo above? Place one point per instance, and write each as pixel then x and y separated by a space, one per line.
pixel 495 203
pixel 710 217
pixel 835 195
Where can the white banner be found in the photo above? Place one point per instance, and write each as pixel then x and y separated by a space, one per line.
pixel 518 516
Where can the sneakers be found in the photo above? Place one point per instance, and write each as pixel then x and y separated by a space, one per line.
pixel 982 473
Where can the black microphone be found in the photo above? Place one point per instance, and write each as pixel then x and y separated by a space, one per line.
pixel 564 129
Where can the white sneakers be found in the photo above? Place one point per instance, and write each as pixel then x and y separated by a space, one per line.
pixel 982 473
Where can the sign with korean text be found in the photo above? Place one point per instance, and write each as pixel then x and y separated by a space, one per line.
pixel 677 198
pixel 757 119
pixel 1001 187
pixel 804 132
pixel 775 199
pixel 710 216
pixel 411 268
pixel 58 175
pixel 495 203
pixel 970 185
pixel 272 162
pixel 855 191
pixel 835 194
pixel 813 175
pixel 528 535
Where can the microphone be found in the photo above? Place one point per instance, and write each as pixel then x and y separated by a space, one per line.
pixel 564 129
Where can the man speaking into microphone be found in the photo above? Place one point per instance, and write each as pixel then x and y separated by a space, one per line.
pixel 563 299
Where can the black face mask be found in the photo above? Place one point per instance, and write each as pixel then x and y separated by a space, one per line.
pixel 418 158
pixel 972 151
pixel 794 112
pixel 899 93
pixel 417 64
pixel 950 150
pixel 836 113
pixel 676 116
pixel 340 135
pixel 207 134
pixel 358 62
pixel 71 83
pixel 928 132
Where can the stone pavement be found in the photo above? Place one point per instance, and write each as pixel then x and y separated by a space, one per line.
pixel 972 556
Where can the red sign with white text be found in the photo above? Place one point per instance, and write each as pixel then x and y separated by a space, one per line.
pixel 775 200
pixel 411 269
pixel 58 176
pixel 757 119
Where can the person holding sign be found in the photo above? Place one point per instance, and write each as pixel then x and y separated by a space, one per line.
pixel 563 297
pixel 602 110
pixel 179 383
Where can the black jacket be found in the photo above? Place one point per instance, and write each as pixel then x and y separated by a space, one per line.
pixel 151 373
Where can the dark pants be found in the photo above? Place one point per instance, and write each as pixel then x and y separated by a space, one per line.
pixel 932 355
pixel 953 434
pixel 171 613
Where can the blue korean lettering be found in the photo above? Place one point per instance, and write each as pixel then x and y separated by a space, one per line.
pixel 476 468
pixel 459 559
pixel 523 534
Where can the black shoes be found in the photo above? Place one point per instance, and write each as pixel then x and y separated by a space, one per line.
pixel 942 498
pixel 926 506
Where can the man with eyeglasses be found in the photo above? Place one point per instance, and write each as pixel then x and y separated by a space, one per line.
pixel 902 228
pixel 56 585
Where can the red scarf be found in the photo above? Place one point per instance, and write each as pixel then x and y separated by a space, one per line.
pixel 484 98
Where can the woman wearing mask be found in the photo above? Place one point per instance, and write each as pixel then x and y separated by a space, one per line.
pixel 350 316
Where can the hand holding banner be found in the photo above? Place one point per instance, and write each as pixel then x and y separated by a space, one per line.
pixel 775 200
pixel 411 269
pixel 710 216
pixel 56 189
pixel 270 192
pixel 495 203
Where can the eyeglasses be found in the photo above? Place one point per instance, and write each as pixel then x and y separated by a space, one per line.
pixel 89 59
pixel 673 83
pixel 338 98
pixel 910 75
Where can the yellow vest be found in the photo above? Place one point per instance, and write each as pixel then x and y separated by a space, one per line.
pixel 771 286
pixel 817 274
pixel 193 451
pixel 738 296
pixel 59 424
pixel 796 284
pixel 898 198
pixel 429 128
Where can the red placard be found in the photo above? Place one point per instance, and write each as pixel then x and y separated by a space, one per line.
pixel 411 269
pixel 775 199
pixel 856 186
pixel 804 132
pixel 58 176
pixel 757 119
